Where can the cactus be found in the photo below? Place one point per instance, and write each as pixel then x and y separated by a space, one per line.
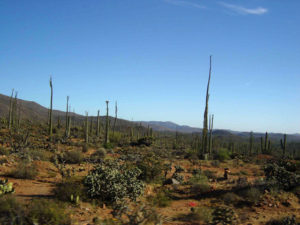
pixel 251 143
pixel 67 115
pixel 205 120
pixel 50 112
pixel 283 145
pixel 10 110
pixel 91 127
pixel 211 125
pixel 265 144
pixel 116 116
pixel 6 187
pixel 106 126
pixel 98 124
pixel 14 109
pixel 69 126
pixel 58 122
pixel 87 127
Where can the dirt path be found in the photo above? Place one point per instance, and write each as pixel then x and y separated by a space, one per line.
pixel 28 189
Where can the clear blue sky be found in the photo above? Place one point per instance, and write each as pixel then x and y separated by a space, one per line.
pixel 152 56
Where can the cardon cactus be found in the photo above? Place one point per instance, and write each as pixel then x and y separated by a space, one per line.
pixel 6 187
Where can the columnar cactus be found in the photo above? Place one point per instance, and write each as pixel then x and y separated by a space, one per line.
pixel 87 127
pixel 205 139
pixel 10 110
pixel 251 143
pixel 265 144
pixel 283 145
pixel 67 114
pixel 106 126
pixel 211 125
pixel 50 112
pixel 116 116
pixel 98 124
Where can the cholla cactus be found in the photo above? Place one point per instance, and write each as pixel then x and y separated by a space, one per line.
pixel 113 182
pixel 6 187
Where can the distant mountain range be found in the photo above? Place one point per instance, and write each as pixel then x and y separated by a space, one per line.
pixel 33 111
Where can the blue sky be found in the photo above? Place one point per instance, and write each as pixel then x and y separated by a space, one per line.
pixel 152 56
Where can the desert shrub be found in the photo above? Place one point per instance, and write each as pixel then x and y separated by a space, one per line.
pixel 45 211
pixel 161 199
pixel 178 177
pixel 199 184
pixel 115 137
pixel 224 215
pixel 252 194
pixel 210 174
pixel 296 191
pixel 243 172
pixel 281 177
pixel 145 141
pixel 231 198
pixel 289 220
pixel 203 214
pixel 222 155
pixel 151 168
pixel 136 214
pixel 98 155
pixel 24 170
pixel 73 157
pixel 84 148
pixel 215 163
pixel 178 169
pixel 69 187
pixel 198 178
pixel 4 151
pixel 111 181
pixel 11 212
pixel 39 154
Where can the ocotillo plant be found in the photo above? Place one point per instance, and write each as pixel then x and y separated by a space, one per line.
pixel 251 143
pixel 283 145
pixel 10 110
pixel 98 124
pixel 205 120
pixel 211 125
pixel 106 140
pixel 86 127
pixel 50 112
pixel 116 116
pixel 265 144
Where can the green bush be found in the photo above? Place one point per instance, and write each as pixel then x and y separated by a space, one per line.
pixel 24 170
pixel 231 198
pixel 11 212
pixel 73 157
pixel 42 211
pixel 161 199
pixel 252 195
pixel 48 212
pixel 111 181
pixel 289 220
pixel 64 190
pixel 222 155
pixel 151 168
